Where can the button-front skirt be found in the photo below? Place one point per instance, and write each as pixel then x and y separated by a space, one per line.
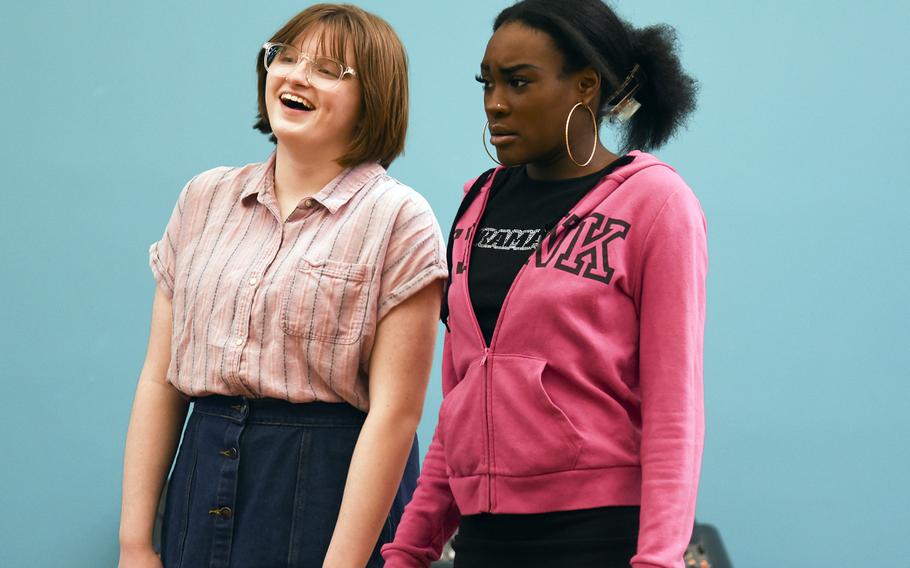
pixel 259 483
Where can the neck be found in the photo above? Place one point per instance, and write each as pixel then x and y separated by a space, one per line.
pixel 297 176
pixel 560 166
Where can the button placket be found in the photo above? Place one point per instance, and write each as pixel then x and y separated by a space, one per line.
pixel 241 323
pixel 225 498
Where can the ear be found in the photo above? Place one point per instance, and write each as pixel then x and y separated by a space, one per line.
pixel 588 84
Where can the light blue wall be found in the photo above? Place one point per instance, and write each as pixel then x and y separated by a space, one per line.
pixel 798 153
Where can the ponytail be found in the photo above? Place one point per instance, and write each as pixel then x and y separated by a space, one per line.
pixel 666 93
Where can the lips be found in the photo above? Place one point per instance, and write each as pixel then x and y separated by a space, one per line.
pixel 500 135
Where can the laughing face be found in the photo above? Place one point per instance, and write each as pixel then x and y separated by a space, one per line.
pixel 320 121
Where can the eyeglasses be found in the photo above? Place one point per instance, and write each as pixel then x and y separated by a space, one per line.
pixel 323 72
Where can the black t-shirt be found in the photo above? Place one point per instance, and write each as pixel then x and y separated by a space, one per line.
pixel 519 213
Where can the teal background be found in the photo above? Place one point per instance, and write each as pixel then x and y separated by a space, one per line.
pixel 796 154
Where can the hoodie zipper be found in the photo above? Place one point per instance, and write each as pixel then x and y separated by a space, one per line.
pixel 487 379
pixel 488 437
pixel 562 225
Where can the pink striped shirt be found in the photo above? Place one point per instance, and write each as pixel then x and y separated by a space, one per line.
pixel 288 310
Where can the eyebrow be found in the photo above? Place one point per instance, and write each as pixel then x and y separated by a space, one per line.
pixel 512 69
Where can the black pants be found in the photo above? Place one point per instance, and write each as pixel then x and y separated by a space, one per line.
pixel 603 538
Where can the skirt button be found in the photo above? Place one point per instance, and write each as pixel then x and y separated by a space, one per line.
pixel 229 453
pixel 223 512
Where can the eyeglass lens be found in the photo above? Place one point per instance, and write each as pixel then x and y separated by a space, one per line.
pixel 280 60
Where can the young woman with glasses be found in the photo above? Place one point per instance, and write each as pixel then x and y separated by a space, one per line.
pixel 296 308
pixel 571 428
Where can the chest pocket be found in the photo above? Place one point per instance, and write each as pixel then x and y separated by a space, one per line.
pixel 326 301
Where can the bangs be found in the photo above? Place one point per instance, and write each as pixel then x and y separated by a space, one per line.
pixel 332 34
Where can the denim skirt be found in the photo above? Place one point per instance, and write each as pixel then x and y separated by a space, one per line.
pixel 258 484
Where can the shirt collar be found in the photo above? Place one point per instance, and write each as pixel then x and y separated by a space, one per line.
pixel 335 193
pixel 262 180
pixel 346 185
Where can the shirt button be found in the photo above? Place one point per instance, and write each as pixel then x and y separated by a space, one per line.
pixel 253 281
pixel 308 203
pixel 238 342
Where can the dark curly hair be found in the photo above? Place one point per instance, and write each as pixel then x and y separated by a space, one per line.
pixel 589 33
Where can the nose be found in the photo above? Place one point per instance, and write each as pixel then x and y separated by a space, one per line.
pixel 300 73
pixel 494 105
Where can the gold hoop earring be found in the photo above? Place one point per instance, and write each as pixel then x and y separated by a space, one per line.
pixel 596 138
pixel 483 140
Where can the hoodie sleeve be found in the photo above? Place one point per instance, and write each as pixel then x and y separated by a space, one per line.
pixel 432 515
pixel 672 317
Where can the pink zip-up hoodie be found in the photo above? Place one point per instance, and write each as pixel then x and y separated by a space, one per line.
pixel 590 392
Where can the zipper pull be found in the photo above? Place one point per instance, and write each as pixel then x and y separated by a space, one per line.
pixel 483 360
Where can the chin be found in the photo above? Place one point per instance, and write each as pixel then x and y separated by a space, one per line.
pixel 290 134
pixel 510 158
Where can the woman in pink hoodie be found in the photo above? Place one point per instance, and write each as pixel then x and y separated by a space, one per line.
pixel 572 425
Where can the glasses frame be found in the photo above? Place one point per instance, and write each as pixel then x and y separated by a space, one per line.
pixel 310 62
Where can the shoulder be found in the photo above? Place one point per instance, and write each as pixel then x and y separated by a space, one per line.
pixel 659 186
pixel 403 197
pixel 221 181
pixel 205 184
pixel 676 210
pixel 658 178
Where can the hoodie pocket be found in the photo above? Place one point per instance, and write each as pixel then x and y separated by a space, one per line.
pixel 462 425
pixel 531 435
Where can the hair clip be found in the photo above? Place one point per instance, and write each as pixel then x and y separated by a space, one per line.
pixel 624 109
pixel 627 106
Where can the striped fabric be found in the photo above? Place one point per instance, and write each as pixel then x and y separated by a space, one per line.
pixel 289 310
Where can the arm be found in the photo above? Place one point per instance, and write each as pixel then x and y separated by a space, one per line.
pixel 399 370
pixel 432 515
pixel 672 312
pixel 158 414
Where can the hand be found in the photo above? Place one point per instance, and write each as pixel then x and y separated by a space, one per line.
pixel 139 557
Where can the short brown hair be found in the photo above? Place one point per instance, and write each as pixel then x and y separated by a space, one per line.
pixel 382 69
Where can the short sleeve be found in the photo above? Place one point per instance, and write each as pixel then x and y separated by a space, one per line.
pixel 163 253
pixel 415 255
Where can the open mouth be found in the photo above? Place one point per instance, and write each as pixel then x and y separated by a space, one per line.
pixel 295 102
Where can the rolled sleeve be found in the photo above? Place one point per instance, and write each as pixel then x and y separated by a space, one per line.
pixel 415 255
pixel 162 268
pixel 163 253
